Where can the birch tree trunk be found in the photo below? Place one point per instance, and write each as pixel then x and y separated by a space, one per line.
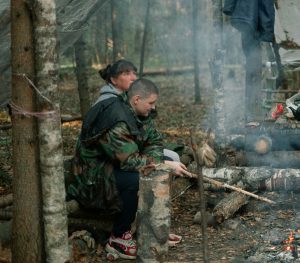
pixel 27 238
pixel 257 178
pixel 216 68
pixel 50 138
pixel 153 218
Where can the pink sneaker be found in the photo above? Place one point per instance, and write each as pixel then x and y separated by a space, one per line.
pixel 121 247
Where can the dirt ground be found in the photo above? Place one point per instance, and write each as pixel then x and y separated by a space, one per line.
pixel 253 234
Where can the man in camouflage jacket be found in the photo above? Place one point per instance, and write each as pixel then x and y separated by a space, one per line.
pixel 117 139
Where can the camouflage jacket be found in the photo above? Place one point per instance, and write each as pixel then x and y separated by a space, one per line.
pixel 92 181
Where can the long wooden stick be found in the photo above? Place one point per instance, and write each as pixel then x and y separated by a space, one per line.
pixel 224 185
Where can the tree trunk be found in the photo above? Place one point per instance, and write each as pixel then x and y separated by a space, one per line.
pixel 117 19
pixel 146 28
pixel 100 37
pixel 196 52
pixel 153 218
pixel 50 138
pixel 82 65
pixel 216 68
pixel 27 237
pixel 257 178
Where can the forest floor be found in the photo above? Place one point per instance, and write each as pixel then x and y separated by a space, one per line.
pixel 253 234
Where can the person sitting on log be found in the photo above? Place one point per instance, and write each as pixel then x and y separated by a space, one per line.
pixel 118 77
pixel 117 139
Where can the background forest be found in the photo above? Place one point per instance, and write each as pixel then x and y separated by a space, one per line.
pixel 172 42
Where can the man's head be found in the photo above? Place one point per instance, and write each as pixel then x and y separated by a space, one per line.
pixel 142 96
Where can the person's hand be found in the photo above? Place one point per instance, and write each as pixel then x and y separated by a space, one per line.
pixel 178 168
pixel 207 156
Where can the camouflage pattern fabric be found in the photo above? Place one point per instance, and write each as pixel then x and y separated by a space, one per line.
pixel 91 181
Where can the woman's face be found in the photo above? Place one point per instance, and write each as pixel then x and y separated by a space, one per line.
pixel 123 80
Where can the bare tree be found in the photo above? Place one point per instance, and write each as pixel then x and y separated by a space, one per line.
pixel 119 17
pixel 27 238
pixel 146 28
pixel 195 8
pixel 114 30
pixel 82 55
pixel 50 137
pixel 216 69
pixel 101 36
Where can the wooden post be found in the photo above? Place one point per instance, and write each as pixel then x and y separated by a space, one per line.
pixel 153 217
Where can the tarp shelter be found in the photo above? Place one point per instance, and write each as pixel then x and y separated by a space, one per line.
pixel 72 20
pixel 73 16
pixel 287 29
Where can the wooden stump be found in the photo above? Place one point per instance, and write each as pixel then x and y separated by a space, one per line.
pixel 153 217
pixel 229 205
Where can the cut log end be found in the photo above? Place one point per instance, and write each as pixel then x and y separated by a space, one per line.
pixel 263 145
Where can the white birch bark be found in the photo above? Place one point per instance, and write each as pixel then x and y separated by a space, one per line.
pixel 153 216
pixel 50 138
pixel 264 178
pixel 216 68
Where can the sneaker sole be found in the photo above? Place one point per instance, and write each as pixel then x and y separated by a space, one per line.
pixel 174 239
pixel 116 253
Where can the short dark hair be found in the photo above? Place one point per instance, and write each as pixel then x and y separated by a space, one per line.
pixel 115 69
pixel 142 87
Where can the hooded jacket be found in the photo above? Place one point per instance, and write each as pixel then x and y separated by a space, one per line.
pixel 257 16
pixel 112 136
pixel 107 92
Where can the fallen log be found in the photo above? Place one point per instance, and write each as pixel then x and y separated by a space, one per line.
pixel 64 118
pixel 281 139
pixel 7 200
pixel 153 216
pixel 257 178
pixel 69 118
pixel 98 227
pixel 77 217
pixel 275 159
pixel 229 205
pixel 224 185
